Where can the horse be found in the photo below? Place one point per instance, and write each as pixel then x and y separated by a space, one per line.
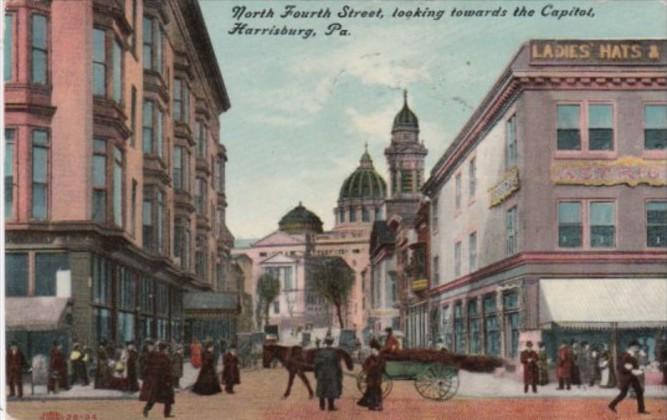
pixel 297 361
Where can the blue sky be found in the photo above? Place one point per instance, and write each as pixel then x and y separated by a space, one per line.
pixel 302 109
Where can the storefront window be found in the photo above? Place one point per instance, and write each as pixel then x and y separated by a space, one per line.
pixel 47 266
pixel 474 323
pixel 491 327
pixel 459 329
pixel 16 274
pixel 568 127
pixel 102 323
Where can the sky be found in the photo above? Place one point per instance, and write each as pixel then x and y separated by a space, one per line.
pixel 302 109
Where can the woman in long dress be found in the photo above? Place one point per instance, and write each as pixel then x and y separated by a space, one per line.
pixel 606 370
pixel 207 381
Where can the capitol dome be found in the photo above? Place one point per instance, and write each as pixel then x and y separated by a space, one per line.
pixel 300 220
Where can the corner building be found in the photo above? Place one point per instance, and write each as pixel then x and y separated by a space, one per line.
pixel 114 172
pixel 549 209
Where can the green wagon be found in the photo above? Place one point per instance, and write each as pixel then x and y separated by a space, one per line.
pixel 433 380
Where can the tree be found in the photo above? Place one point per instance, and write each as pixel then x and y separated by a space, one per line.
pixel 333 280
pixel 268 289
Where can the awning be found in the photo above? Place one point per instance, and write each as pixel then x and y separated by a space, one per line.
pixel 35 313
pixel 209 304
pixel 603 303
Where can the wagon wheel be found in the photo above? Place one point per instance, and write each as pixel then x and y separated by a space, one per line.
pixel 387 383
pixel 437 382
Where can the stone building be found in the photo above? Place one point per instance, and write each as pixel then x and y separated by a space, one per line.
pixel 114 171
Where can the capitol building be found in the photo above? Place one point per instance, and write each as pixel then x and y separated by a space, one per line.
pixel 364 202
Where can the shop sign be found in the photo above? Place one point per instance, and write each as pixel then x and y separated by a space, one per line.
pixel 419 285
pixel 627 170
pixel 505 188
pixel 598 52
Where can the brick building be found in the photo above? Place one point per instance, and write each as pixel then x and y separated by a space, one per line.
pixel 114 172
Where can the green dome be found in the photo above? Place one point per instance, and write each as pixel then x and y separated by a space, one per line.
pixel 300 220
pixel 405 119
pixel 364 183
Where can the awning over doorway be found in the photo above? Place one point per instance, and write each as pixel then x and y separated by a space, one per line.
pixel 603 303
pixel 210 304
pixel 35 313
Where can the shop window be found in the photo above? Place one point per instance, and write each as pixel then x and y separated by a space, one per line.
pixel 10 145
pixel 459 329
pixel 569 225
pixel 568 132
pixel 474 327
pixel 491 327
pixel 600 127
pixel 656 224
pixel 512 152
pixel 102 317
pixel 655 127
pixel 40 174
pixel 39 60
pixel 602 225
pixel 16 274
pixel 47 266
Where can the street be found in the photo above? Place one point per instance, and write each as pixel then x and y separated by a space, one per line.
pixel 259 397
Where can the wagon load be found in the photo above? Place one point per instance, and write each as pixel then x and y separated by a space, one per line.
pixel 471 363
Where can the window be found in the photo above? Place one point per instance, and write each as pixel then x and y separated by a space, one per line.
pixel 40 171
pixel 147 137
pixel 434 214
pixel 406 181
pixel 135 29
pixel 182 243
pixel 472 251
pixel 602 225
pixel 99 181
pixel 16 274
pixel 457 259
pixel 179 164
pixel 378 213
pixel 200 196
pixel 365 214
pixel 147 217
pixel 459 329
pixel 569 225
pixel 40 50
pixel 134 207
pixel 9 47
pixel 436 270
pixel 656 224
pixel 220 182
pixel 491 327
pixel 160 225
pixel 102 281
pixel 117 63
pixel 512 152
pixel 10 144
pixel 181 101
pixel 568 136
pixel 133 116
pixel 276 306
pixel 655 127
pixel 511 229
pixel 152 55
pixel 201 139
pixel 353 215
pixel 472 177
pixel 99 62
pixel 474 327
pixel 47 266
pixel 200 257
pixel 341 215
pixel 117 186
pixel 394 181
pixel 512 320
pixel 458 191
pixel 600 127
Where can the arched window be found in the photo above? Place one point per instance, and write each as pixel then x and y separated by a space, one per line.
pixel 365 214
pixel 353 215
pixel 341 215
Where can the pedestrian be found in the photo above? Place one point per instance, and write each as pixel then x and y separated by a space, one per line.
pixel 177 366
pixel 542 364
pixel 76 359
pixel 329 374
pixel 391 344
pixel 529 361
pixel 628 376
pixel 102 371
pixel 373 367
pixel 57 369
pixel 586 365
pixel 642 359
pixel 606 371
pixel 564 368
pixel 318 342
pixel 207 380
pixel 15 364
pixel 88 360
pixel 131 367
pixel 230 370
pixel 575 353
pixel 195 353
pixel 157 386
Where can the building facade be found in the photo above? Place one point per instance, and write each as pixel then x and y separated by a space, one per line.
pixel 549 209
pixel 114 169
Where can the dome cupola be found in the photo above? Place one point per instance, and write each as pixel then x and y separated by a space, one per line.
pixel 405 119
pixel 300 220
pixel 364 182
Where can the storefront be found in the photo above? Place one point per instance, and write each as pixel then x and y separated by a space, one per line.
pixel 210 315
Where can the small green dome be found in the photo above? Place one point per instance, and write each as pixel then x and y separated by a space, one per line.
pixel 405 119
pixel 364 182
pixel 300 220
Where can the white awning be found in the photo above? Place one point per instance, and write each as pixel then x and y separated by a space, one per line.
pixel 601 303
pixel 34 313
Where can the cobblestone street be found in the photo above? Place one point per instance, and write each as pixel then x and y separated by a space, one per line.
pixel 259 397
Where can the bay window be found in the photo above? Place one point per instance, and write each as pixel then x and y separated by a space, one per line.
pixel 154 219
pixel 40 174
pixel 202 138
pixel 39 57
pixel 9 47
pixel 102 61
pixel 182 245
pixel 103 185
pixel 201 196
pixel 152 53
pixel 181 110
pixel 152 129
pixel 180 165
pixel 99 62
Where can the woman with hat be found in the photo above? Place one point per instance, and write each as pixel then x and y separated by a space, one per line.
pixel 207 381
pixel 230 370
pixel 374 368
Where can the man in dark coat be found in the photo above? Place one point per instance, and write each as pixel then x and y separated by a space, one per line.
pixel 177 365
pixel 57 369
pixel 374 369
pixel 230 370
pixel 628 376
pixel 132 359
pixel 530 373
pixel 564 369
pixel 207 380
pixel 79 370
pixel 15 364
pixel 102 371
pixel 157 387
pixel 329 375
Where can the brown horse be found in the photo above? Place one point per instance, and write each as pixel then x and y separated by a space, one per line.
pixel 297 361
